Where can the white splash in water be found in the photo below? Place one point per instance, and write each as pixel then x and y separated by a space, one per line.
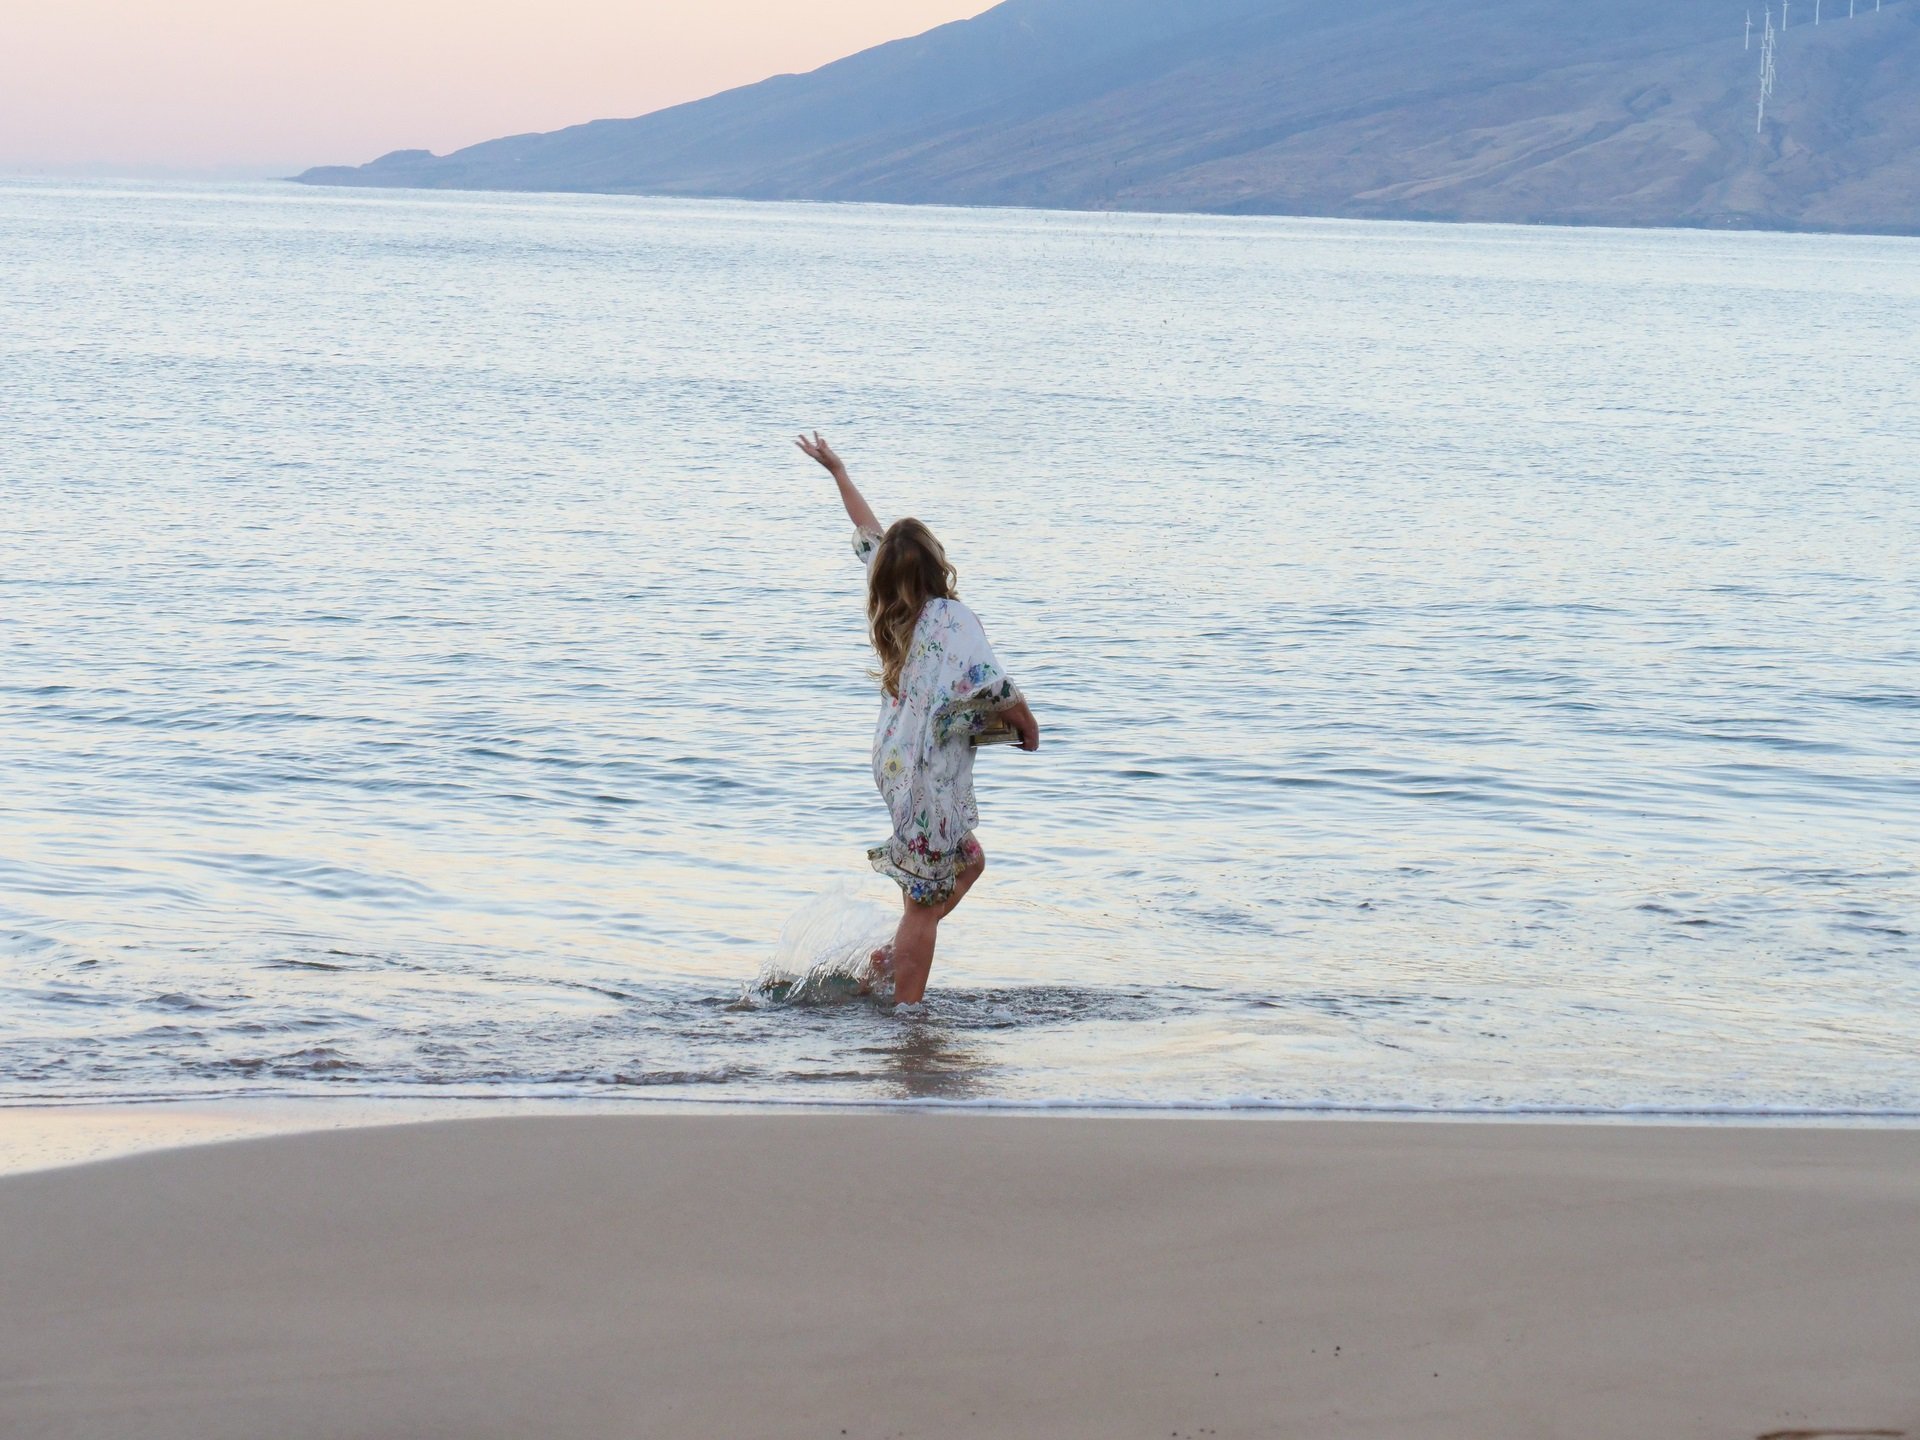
pixel 826 952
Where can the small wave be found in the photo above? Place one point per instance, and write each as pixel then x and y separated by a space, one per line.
pixel 626 1089
pixel 314 1061
pixel 642 1079
pixel 178 1000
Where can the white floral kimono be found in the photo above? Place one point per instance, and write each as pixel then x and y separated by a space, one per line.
pixel 951 689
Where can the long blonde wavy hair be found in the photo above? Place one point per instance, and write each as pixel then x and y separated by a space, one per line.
pixel 909 569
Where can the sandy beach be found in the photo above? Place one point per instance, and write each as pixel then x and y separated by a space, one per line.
pixel 940 1275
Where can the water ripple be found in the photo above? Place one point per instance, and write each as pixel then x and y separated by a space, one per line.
pixel 1474 676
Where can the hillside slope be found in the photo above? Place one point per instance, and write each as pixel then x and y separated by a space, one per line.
pixel 1636 112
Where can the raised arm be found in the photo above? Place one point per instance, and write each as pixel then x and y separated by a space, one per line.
pixel 858 510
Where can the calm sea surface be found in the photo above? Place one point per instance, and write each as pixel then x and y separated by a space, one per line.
pixel 1481 666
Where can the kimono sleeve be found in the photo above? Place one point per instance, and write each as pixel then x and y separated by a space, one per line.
pixel 865 542
pixel 974 688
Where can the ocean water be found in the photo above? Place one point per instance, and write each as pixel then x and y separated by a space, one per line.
pixel 1480 666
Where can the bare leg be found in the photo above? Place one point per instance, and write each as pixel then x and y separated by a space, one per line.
pixel 879 966
pixel 919 931
pixel 976 866
pixel 913 951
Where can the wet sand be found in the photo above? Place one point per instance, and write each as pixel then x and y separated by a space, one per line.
pixel 941 1275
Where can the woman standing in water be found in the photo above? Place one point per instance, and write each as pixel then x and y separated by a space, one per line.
pixel 940 686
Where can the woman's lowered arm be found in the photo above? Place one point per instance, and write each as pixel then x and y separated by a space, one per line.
pixel 1020 717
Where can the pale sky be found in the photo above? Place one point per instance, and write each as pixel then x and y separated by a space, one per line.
pixel 273 85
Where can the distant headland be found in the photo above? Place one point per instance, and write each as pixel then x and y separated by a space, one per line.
pixel 1634 112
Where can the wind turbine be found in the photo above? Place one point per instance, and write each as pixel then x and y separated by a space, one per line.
pixel 1766 73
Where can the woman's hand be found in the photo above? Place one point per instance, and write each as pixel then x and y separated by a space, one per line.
pixel 1025 726
pixel 818 449
pixel 858 511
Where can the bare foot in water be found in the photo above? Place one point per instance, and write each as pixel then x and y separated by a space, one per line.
pixel 879 967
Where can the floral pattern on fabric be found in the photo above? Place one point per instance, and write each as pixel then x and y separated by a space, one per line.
pixel 951 689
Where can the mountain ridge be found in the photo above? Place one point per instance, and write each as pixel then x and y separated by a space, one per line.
pixel 1642 112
